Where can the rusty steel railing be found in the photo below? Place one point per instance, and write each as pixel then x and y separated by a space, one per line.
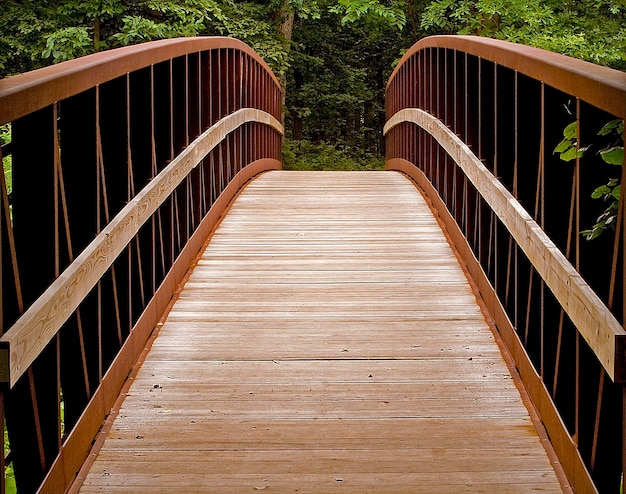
pixel 121 164
pixel 475 122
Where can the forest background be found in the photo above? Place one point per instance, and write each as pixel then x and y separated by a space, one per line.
pixel 332 56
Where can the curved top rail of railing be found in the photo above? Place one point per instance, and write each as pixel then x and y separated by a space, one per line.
pixel 25 93
pixel 118 167
pixel 600 86
pixel 478 123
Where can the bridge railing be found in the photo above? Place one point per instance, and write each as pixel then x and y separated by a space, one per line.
pixel 476 122
pixel 119 165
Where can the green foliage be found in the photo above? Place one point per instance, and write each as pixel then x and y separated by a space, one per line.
pixel 593 30
pixel 22 29
pixel 568 148
pixel 5 138
pixel 9 476
pixel 250 22
pixel 484 17
pixel 336 88
pixel 68 43
pixel 167 19
pixel 304 155
pixel 354 10
pixel 92 9
pixel 608 193
pixel 136 29
pixel 612 154
pixel 34 34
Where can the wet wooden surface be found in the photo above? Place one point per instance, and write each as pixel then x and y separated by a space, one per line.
pixel 327 341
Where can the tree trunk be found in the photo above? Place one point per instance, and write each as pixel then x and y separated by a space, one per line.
pixel 286 18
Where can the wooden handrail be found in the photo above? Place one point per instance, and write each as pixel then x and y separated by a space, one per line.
pixel 23 342
pixel 604 334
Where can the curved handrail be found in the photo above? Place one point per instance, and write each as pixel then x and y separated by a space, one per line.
pixel 138 152
pixel 600 86
pixel 474 121
pixel 27 338
pixel 604 334
pixel 26 93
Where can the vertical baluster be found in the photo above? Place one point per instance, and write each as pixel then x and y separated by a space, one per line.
pixel 130 193
pixel 623 415
pixel 577 266
pixel 623 286
pixel 444 118
pixel 57 262
pixel 511 274
pixel 431 84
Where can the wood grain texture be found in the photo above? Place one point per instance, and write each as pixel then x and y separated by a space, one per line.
pixel 594 321
pixel 326 341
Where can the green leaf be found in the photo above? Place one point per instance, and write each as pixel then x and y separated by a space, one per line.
pixel 571 154
pixel 600 192
pixel 613 156
pixel 609 127
pixel 593 233
pixel 563 146
pixel 571 131
pixel 616 192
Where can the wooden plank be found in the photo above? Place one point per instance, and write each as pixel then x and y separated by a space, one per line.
pixel 417 460
pixel 311 483
pixel 280 434
pixel 323 354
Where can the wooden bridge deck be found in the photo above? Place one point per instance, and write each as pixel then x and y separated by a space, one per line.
pixel 326 341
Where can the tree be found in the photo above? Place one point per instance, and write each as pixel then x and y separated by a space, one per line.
pixel 338 76
pixel 593 30
pixel 34 33
pixel 333 56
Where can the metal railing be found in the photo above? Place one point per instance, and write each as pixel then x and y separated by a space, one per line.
pixel 476 123
pixel 122 163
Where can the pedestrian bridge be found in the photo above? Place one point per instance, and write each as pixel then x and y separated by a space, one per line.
pixel 178 313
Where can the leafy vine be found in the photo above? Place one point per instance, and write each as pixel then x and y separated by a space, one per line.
pixel 613 154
